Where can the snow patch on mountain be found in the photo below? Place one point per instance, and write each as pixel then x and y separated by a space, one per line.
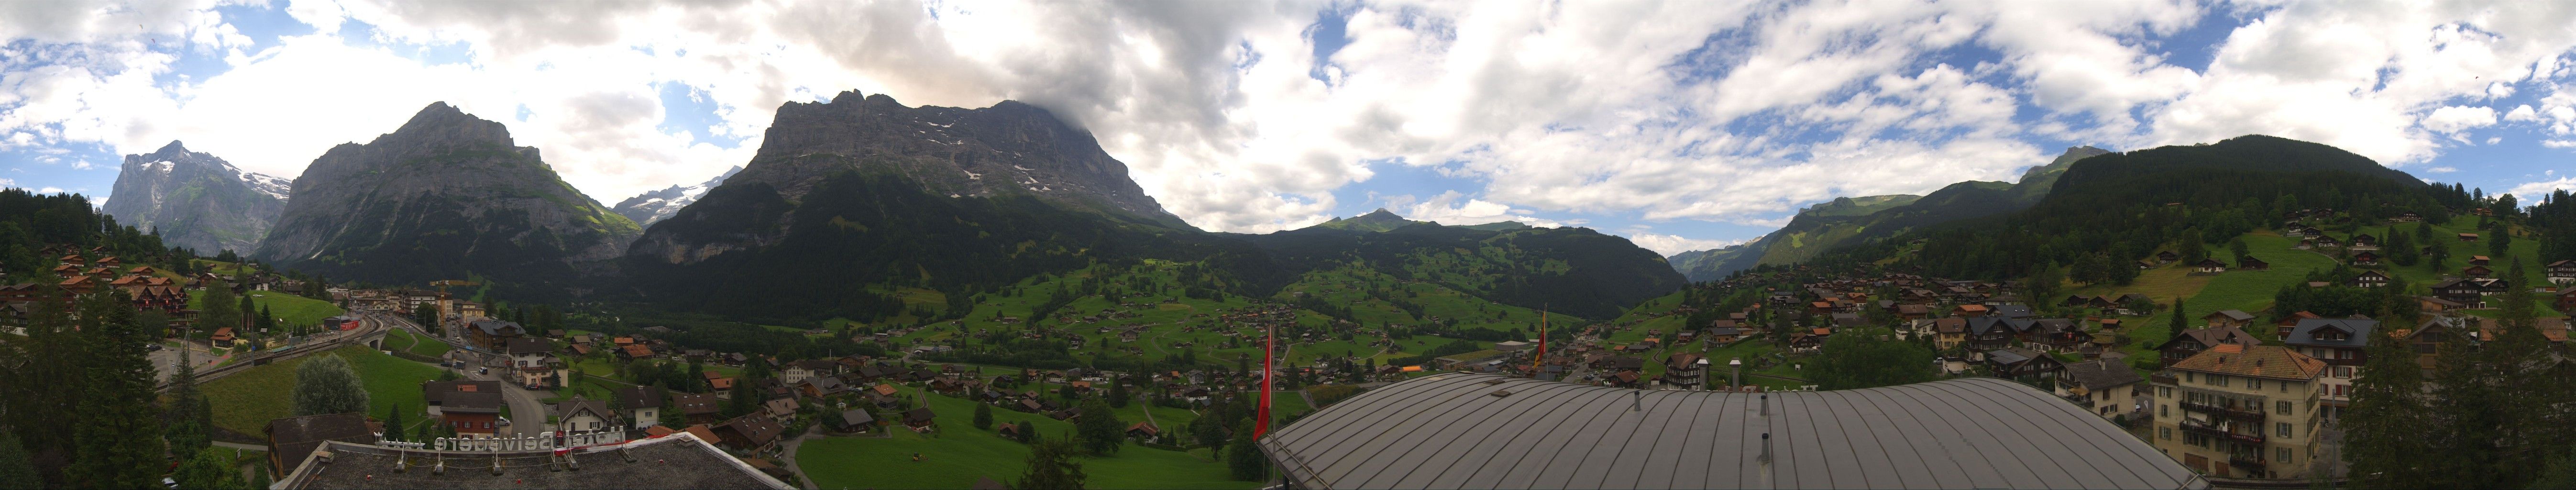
pixel 653 206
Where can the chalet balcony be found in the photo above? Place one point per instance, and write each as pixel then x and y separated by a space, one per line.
pixel 2246 461
pixel 2225 411
pixel 2213 431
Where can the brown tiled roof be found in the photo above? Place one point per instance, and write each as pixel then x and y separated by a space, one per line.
pixel 2257 361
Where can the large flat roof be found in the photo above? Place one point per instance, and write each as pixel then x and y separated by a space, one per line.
pixel 1450 431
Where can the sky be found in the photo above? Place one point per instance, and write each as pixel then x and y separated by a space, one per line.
pixel 1684 125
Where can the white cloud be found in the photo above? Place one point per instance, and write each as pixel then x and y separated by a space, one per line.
pixel 1728 112
pixel 2454 119
pixel 6 183
pixel 50 190
pixel 1668 245
pixel 2441 170
pixel 2532 191
pixel 1453 208
pixel 2522 113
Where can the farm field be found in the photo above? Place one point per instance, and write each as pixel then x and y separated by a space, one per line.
pixel 960 454
pixel 294 310
pixel 244 402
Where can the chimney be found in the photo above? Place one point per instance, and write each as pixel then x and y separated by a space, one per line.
pixel 1766 448
pixel 1637 401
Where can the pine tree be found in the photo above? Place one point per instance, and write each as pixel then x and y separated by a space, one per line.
pixel 742 400
pixel 1051 466
pixel 2386 428
pixel 2177 325
pixel 189 418
pixel 394 423
pixel 1118 392
pixel 117 442
pixel 17 467
pixel 1243 457
pixel 984 416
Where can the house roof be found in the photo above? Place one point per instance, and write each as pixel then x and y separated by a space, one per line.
pixel 529 345
pixel 695 403
pixel 299 435
pixel 1460 430
pixel 2255 361
pixel 674 461
pixel 2214 336
pixel 640 397
pixel 857 417
pixel 2358 331
pixel 472 402
pixel 2100 374
pixel 2237 315
pixel 598 408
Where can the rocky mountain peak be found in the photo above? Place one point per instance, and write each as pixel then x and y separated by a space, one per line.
pixel 196 200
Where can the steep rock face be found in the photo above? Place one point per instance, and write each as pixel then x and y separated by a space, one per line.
pixel 196 200
pixel 1009 149
pixel 443 197
pixel 651 206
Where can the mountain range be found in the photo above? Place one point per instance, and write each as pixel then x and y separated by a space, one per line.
pixel 445 196
pixel 196 200
pixel 1849 220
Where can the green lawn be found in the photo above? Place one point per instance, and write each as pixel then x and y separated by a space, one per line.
pixel 403 340
pixel 963 453
pixel 244 402
pixel 294 310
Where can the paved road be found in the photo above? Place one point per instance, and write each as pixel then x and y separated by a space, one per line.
pixel 814 432
pixel 527 416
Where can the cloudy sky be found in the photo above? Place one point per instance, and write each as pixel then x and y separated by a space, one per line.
pixel 1681 125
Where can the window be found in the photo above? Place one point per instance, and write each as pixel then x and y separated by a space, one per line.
pixel 2164 411
pixel 2165 432
pixel 2253 383
pixel 2190 377
pixel 2218 380
pixel 2283 407
pixel 2284 454
pixel 2283 429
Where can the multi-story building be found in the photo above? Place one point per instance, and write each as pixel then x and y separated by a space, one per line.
pixel 2343 344
pixel 2239 411
pixel 1684 370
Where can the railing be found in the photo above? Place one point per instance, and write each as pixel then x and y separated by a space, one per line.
pixel 2244 461
pixel 2214 431
pixel 2228 411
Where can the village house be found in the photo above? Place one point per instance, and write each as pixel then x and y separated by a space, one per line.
pixel 2460 291
pixel 2368 279
pixel 2343 345
pixel 582 415
pixel 2237 411
pixel 2228 319
pixel 697 408
pixel 2365 259
pixel 494 335
pixel 2107 387
pixel 641 405
pixel 1684 370
pixel 2024 365
pixel 2248 262
pixel 2209 266
pixel 2193 341
pixel 751 433
pixel 534 361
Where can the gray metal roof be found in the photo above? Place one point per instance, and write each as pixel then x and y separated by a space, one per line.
pixel 1450 431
